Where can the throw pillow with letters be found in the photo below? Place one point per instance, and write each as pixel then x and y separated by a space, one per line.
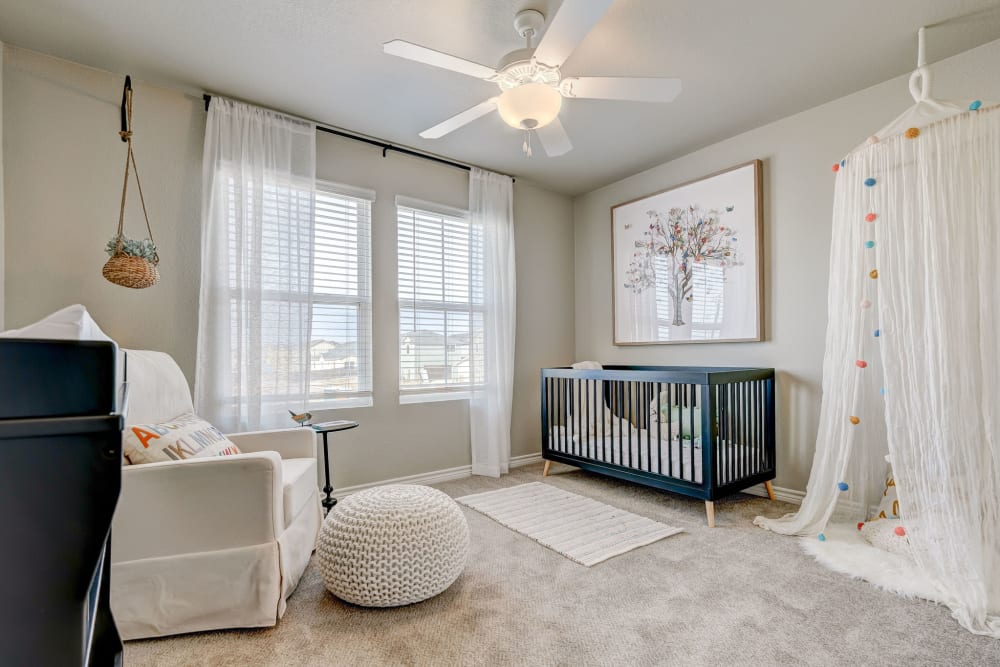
pixel 185 437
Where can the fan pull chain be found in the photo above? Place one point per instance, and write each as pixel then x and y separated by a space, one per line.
pixel 526 146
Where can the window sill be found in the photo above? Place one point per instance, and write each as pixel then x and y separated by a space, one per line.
pixel 435 397
pixel 338 403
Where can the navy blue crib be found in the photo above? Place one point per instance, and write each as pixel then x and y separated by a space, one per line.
pixel 698 431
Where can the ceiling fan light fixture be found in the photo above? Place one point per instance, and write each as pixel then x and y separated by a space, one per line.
pixel 529 106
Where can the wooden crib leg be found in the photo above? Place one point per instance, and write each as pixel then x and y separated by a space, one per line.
pixel 545 472
pixel 710 511
pixel 770 490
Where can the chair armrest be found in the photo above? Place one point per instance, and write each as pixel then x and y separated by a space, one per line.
pixel 290 443
pixel 195 505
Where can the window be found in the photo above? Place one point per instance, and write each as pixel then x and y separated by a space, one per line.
pixel 707 300
pixel 339 234
pixel 340 347
pixel 440 257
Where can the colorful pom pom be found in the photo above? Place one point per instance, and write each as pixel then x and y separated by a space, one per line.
pixel 835 167
pixel 882 391
pixel 873 274
pixel 877 333
pixel 873 139
pixel 912 133
pixel 861 524
pixel 869 182
pixel 843 163
pixel 854 420
pixel 861 363
pixel 869 244
pixel 865 304
pixel 870 217
pixel 975 105
pixel 821 537
pixel 900 531
pixel 842 486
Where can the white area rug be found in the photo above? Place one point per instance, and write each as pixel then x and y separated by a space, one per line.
pixel 581 529
pixel 845 551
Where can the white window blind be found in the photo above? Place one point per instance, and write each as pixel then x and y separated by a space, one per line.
pixel 341 340
pixel 440 272
pixel 707 300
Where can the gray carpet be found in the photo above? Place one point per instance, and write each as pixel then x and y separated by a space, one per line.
pixel 733 595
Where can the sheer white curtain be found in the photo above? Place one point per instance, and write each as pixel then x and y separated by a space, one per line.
pixel 491 207
pixel 255 311
pixel 922 209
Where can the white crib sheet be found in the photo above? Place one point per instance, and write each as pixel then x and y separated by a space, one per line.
pixel 675 458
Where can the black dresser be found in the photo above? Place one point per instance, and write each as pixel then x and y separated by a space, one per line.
pixel 60 476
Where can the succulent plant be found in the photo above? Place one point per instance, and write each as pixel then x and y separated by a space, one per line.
pixel 144 248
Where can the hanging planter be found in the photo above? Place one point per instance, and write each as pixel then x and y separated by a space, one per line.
pixel 133 261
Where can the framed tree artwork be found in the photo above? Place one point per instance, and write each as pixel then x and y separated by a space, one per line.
pixel 687 264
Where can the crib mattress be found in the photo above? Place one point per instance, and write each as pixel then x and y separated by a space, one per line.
pixel 677 459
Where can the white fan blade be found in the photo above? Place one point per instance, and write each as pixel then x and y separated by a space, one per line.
pixel 458 120
pixel 554 139
pixel 422 54
pixel 637 89
pixel 572 22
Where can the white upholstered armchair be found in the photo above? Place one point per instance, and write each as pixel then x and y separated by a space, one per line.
pixel 209 543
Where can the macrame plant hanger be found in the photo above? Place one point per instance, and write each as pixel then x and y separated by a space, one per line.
pixel 126 268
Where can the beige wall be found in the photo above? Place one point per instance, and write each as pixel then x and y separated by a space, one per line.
pixel 798 196
pixel 397 440
pixel 63 181
pixel 1 189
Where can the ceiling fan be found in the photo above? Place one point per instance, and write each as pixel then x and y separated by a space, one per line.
pixel 531 85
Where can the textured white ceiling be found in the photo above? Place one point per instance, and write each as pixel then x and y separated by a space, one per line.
pixel 743 63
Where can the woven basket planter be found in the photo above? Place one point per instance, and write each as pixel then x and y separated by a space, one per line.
pixel 129 271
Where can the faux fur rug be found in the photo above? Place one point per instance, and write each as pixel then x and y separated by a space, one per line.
pixel 845 551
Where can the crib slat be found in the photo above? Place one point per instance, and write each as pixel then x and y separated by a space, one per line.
pixel 744 430
pixel 628 413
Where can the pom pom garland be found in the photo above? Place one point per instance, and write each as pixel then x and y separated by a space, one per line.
pixel 821 537
pixel 835 167
pixel 855 420
pixel 870 182
pixel 873 274
pixel 877 333
pixel 912 133
pixel 975 105
pixel 842 486
pixel 873 139
pixel 869 244
pixel 870 217
pixel 900 531
pixel 861 363
pixel 860 524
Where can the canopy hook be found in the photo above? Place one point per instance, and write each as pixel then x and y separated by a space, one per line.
pixel 920 80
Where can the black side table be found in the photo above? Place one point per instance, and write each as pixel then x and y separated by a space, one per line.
pixel 324 428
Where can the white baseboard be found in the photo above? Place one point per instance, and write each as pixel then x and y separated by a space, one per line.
pixel 436 476
pixel 461 472
pixel 780 493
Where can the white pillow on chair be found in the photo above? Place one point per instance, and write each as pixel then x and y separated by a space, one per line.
pixel 185 437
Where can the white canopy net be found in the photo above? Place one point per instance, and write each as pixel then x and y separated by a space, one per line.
pixel 912 363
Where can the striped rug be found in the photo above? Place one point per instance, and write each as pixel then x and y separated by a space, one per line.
pixel 583 530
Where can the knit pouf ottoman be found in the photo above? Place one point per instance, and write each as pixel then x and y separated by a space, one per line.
pixel 393 545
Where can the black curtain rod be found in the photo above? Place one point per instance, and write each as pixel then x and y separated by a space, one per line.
pixel 381 144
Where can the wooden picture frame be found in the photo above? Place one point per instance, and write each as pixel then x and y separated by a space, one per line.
pixel 687 261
